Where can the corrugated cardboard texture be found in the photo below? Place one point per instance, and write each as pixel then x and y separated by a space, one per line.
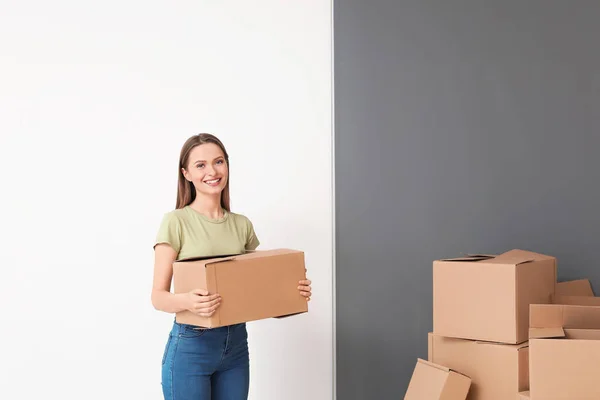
pixel 497 371
pixel 565 367
pixel 253 286
pixel 484 298
pixel 435 382
pixel 579 287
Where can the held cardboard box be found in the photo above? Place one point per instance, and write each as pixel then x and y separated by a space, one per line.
pixel 564 352
pixel 497 371
pixel 484 297
pixel 255 285
pixel 523 396
pixel 578 287
pixel 435 382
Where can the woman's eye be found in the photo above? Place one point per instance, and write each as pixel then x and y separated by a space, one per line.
pixel 200 165
pixel 220 162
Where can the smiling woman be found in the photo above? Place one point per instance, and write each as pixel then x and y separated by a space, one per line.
pixel 203 364
pixel 202 166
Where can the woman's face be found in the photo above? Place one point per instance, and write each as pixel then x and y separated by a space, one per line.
pixel 207 169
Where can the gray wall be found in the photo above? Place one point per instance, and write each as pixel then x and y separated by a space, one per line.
pixel 461 126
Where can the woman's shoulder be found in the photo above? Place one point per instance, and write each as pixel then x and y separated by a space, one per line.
pixel 176 215
pixel 241 219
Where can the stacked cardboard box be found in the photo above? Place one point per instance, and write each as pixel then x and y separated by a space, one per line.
pixel 432 382
pixel 481 314
pixel 565 349
pixel 480 318
pixel 483 306
pixel 571 292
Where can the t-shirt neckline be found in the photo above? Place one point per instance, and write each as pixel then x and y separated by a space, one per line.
pixel 207 219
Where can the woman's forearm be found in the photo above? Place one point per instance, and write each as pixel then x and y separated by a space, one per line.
pixel 169 302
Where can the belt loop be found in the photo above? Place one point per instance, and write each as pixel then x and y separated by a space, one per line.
pixel 180 328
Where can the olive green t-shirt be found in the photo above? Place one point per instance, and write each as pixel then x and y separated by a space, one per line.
pixel 192 234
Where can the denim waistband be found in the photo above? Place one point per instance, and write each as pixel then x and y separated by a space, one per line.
pixel 179 328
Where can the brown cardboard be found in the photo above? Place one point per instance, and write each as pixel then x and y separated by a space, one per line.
pixel 253 286
pixel 435 382
pixel 564 352
pixel 523 396
pixel 576 300
pixel 578 287
pixel 497 371
pixel 487 297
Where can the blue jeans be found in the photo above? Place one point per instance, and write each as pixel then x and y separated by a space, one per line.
pixel 206 364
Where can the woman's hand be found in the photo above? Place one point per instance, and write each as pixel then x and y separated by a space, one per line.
pixel 201 303
pixel 305 289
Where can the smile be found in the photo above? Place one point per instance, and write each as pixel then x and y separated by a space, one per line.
pixel 213 182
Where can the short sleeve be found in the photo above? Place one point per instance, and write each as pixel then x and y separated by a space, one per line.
pixel 252 241
pixel 169 232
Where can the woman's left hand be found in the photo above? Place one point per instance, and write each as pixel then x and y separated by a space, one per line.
pixel 305 289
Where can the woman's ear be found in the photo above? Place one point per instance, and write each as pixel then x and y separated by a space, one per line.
pixel 185 174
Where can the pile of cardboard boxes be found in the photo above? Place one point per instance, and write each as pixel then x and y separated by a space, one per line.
pixel 504 328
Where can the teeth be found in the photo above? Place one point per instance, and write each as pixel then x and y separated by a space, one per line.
pixel 213 181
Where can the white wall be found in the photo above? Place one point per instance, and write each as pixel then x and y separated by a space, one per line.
pixel 96 99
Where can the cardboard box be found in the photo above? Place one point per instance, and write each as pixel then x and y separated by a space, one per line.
pixel 523 396
pixel 484 297
pixel 497 371
pixel 578 287
pixel 576 300
pixel 255 285
pixel 435 382
pixel 564 352
pixel 577 292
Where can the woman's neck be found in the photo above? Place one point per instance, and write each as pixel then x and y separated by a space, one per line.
pixel 209 206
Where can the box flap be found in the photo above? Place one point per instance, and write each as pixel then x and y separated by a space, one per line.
pixel 430 364
pixel 468 258
pixel 512 257
pixel 526 254
pixel 576 300
pixel 511 346
pixel 516 257
pixel 545 316
pixel 578 287
pixel 545 333
pixel 208 260
pixel 583 334
pixel 218 260
pixel 564 316
pixel 242 256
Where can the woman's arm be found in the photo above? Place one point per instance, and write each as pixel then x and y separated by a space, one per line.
pixel 162 298
pixel 197 301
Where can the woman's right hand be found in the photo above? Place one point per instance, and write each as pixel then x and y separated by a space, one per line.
pixel 201 303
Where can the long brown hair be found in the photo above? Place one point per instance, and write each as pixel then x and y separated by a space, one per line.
pixel 186 192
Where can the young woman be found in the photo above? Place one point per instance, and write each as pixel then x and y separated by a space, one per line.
pixel 203 364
